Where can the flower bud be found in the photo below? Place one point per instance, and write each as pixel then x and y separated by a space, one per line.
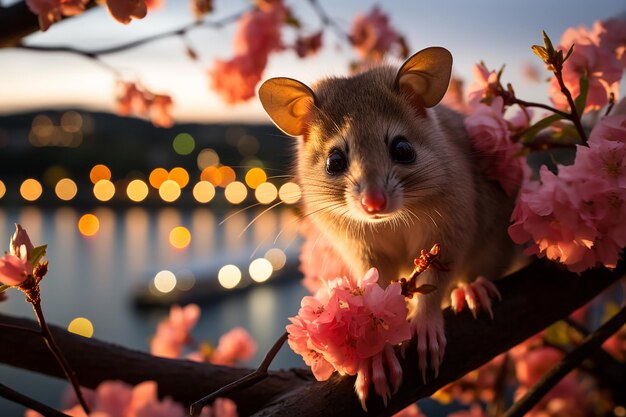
pixel 13 270
pixel 20 244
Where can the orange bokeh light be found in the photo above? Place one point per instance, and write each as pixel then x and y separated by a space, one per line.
pixel 228 175
pixel 31 189
pixel 180 237
pixel 157 177
pixel 179 175
pixel 88 225
pixel 99 172
pixel 212 175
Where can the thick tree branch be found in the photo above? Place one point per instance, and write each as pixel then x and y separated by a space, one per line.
pixel 533 298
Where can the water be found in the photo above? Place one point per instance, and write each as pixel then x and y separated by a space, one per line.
pixel 98 277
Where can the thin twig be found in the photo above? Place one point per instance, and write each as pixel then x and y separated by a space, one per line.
pixel 571 361
pixel 543 106
pixel 28 402
pixel 575 117
pixel 246 381
pixel 58 354
pixel 20 328
pixel 328 22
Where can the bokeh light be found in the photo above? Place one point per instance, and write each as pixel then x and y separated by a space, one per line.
pixel 66 189
pixel 99 172
pixel 247 145
pixel 169 191
pixel 185 280
pixel 228 175
pixel 157 177
pixel 260 270
pixel 179 175
pixel 183 144
pixel 277 258
pixel 54 174
pixel 88 225
pixel 207 158
pixel 71 121
pixel 165 281
pixel 212 175
pixel 3 189
pixel 229 276
pixel 137 190
pixel 31 189
pixel 266 193
pixel 290 192
pixel 81 326
pixel 235 192
pixel 104 190
pixel 203 192
pixel 255 177
pixel 180 237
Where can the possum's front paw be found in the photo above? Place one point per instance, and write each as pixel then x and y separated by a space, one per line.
pixel 476 295
pixel 428 331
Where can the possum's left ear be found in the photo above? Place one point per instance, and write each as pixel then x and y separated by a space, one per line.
pixel 425 76
pixel 288 103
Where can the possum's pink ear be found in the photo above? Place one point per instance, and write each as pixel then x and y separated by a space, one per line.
pixel 426 75
pixel 288 103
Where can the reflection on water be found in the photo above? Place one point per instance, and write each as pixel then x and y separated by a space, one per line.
pixel 95 277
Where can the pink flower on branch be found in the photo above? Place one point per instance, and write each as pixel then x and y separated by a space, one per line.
pixel 125 10
pixel 481 88
pixel 14 270
pixel 133 99
pixel 372 35
pixel 351 327
pixel 235 346
pixel 174 332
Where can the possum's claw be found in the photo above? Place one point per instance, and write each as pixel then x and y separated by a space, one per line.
pixel 431 343
pixel 476 295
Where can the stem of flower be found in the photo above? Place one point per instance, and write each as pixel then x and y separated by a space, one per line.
pixel 28 402
pixel 571 361
pixel 58 355
pixel 543 106
pixel 246 381
pixel 574 116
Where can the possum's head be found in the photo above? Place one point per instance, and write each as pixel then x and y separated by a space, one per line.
pixel 369 148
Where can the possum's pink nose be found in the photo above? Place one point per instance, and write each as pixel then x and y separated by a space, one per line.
pixel 374 200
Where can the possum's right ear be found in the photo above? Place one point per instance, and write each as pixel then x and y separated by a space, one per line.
pixel 288 103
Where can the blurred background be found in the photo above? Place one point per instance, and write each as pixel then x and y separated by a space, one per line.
pixel 137 218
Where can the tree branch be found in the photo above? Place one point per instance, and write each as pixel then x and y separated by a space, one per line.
pixel 533 298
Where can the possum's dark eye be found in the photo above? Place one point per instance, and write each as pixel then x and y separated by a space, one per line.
pixel 336 162
pixel 402 151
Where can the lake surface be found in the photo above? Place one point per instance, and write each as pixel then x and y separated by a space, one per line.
pixel 99 277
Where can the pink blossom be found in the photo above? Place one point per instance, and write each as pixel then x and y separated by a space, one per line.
pixel 160 111
pixel 318 259
pixel 484 81
pixel 235 80
pixel 201 7
pixel 174 332
pixel 20 244
pixel 454 98
pixel 372 36
pixel 610 128
pixel 351 326
pixel 221 407
pixel 491 138
pixel 235 346
pixel 616 345
pixel 13 270
pixel 588 58
pixel 50 11
pixel 125 10
pixel 258 34
pixel 612 35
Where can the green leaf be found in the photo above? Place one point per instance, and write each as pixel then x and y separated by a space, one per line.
pixel 529 134
pixel 557 334
pixel 3 288
pixel 548 43
pixel 581 100
pixel 37 253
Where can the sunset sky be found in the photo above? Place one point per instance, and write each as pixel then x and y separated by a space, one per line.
pixel 495 31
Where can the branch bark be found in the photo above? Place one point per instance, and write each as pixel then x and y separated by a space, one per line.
pixel 533 298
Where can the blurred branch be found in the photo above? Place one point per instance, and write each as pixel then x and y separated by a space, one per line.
pixel 529 305
pixel 28 402
pixel 17 22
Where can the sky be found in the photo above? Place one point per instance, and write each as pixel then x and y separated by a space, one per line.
pixel 494 31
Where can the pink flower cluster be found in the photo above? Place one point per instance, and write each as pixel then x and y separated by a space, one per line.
pixel 173 335
pixel 500 158
pixel 258 34
pixel 598 55
pixel 579 216
pixel 372 36
pixel 15 266
pixel 133 99
pixel 117 399
pixel 351 327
